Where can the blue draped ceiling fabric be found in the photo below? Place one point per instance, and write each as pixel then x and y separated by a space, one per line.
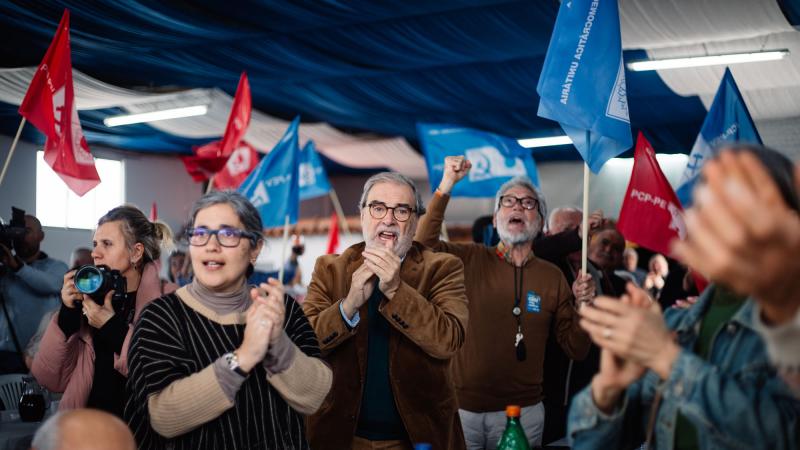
pixel 370 69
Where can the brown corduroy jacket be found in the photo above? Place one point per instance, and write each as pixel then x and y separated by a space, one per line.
pixel 428 315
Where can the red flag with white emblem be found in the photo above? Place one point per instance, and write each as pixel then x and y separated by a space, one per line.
pixel 212 157
pixel 49 105
pixel 651 214
pixel 241 162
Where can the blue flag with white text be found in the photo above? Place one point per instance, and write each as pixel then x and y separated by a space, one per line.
pixel 727 120
pixel 272 186
pixel 495 159
pixel 582 84
pixel 313 180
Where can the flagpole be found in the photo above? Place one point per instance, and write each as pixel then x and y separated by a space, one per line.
pixel 283 248
pixel 444 231
pixel 210 186
pixel 11 152
pixel 585 226
pixel 339 212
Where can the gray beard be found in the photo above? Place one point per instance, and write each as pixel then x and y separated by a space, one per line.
pixel 517 238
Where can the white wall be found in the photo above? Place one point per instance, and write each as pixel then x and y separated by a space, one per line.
pixel 148 178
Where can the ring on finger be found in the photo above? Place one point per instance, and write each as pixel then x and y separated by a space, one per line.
pixel 607 333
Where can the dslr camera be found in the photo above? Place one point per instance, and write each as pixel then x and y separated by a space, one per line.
pixel 96 281
pixel 14 230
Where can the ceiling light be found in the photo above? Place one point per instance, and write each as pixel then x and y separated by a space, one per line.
pixel 711 60
pixel 545 141
pixel 175 113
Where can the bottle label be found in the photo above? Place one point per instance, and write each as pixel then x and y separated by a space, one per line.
pixel 534 302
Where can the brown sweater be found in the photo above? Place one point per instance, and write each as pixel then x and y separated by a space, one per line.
pixel 488 375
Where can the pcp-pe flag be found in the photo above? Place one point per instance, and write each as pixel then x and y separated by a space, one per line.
pixel 333 235
pixel 651 214
pixel 242 161
pixel 313 180
pixel 495 159
pixel 272 187
pixel 49 104
pixel 582 83
pixel 727 120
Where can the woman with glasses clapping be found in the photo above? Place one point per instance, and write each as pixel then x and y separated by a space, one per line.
pixel 220 364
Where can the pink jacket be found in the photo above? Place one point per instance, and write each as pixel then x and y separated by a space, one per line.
pixel 67 365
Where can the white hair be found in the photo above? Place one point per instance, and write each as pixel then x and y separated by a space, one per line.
pixel 47 436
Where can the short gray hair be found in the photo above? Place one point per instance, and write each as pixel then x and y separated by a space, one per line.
pixel 47 436
pixel 524 182
pixel 247 213
pixel 396 178
pixel 559 210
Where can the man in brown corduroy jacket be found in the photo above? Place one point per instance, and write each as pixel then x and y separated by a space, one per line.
pixel 389 315
pixel 515 300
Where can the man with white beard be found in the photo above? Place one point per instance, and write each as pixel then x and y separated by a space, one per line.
pixel 515 300
pixel 389 314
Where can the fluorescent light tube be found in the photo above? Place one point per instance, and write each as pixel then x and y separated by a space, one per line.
pixel 127 119
pixel 712 60
pixel 544 141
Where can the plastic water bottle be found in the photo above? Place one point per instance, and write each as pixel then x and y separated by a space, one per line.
pixel 514 436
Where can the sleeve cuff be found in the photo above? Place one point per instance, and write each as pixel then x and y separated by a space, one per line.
pixel 351 323
pixel 69 320
pixel 229 381
pixel 782 341
pixel 584 414
pixel 280 354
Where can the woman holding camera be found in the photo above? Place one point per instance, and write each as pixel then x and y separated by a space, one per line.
pixel 219 363
pixel 84 351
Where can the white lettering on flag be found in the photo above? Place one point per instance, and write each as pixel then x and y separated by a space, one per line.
pixel 566 87
pixel 239 160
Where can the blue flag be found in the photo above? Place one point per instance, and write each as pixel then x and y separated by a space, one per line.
pixel 495 159
pixel 272 186
pixel 582 84
pixel 313 180
pixel 727 120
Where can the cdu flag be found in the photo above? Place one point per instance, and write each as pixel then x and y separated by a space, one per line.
pixel 727 120
pixel 582 84
pixel 313 181
pixel 495 159
pixel 272 186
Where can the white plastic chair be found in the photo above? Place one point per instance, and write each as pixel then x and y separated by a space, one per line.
pixel 11 390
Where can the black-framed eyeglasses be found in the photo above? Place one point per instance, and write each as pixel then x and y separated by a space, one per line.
pixel 401 212
pixel 227 237
pixel 508 201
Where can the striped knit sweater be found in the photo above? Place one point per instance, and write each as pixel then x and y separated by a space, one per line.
pixel 173 341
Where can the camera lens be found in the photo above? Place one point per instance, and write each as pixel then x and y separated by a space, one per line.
pixel 88 279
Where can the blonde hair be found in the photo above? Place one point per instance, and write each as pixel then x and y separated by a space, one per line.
pixel 136 227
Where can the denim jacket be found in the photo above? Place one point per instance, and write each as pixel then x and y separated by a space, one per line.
pixel 735 399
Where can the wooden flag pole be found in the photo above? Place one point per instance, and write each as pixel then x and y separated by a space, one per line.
pixel 210 186
pixel 585 226
pixel 283 248
pixel 444 231
pixel 11 151
pixel 339 211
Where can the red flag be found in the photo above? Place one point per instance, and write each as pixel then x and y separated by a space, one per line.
pixel 211 158
pixel 239 119
pixel 153 212
pixel 241 162
pixel 49 105
pixel 651 214
pixel 205 162
pixel 333 235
